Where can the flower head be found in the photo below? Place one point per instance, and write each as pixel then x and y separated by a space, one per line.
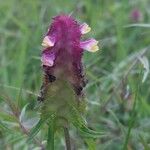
pixel 63 50
pixel 136 15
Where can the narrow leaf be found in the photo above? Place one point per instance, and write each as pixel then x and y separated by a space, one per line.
pixel 91 144
pixel 2 126
pixel 146 146
pixel 143 25
pixel 145 64
pixel 22 114
pixel 34 131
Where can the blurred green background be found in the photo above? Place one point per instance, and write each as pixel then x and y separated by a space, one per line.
pixel 118 90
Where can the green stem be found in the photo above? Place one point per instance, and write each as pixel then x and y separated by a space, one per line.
pixel 132 119
pixel 67 139
pixel 50 139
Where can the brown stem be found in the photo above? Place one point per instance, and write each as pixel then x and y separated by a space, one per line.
pixel 67 139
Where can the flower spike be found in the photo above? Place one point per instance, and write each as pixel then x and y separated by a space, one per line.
pixel 63 51
pixel 62 91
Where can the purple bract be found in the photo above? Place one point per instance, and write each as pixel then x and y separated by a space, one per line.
pixel 63 50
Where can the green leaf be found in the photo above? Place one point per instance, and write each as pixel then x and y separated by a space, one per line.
pixel 120 125
pixel 143 25
pixel 145 63
pixel 2 126
pixel 7 117
pixel 34 131
pixel 132 118
pixel 16 138
pixel 90 143
pixel 80 123
pixel 87 132
pixel 146 146
pixel 22 114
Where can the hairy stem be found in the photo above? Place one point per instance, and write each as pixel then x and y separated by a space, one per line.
pixel 50 139
pixel 67 138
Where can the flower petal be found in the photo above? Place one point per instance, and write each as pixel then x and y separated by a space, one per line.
pixel 48 42
pixel 48 59
pixel 84 28
pixel 90 45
